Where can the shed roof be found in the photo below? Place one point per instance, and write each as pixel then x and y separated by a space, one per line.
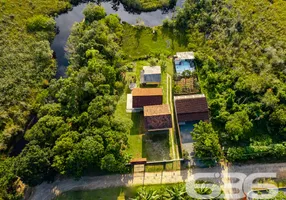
pixel 156 110
pixel 151 70
pixel 147 92
pixel 186 55
pixel 151 78
pixel 191 104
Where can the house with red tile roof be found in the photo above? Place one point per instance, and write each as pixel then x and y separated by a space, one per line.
pixel 191 108
pixel 146 97
pixel 157 117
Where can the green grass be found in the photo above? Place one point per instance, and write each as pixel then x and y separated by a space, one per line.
pixel 147 5
pixel 140 42
pixel 137 129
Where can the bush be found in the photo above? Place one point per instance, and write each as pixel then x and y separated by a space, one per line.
pixel 177 89
pixel 254 152
pixel 93 12
pixel 41 23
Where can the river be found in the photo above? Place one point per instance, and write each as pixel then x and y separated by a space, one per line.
pixel 66 20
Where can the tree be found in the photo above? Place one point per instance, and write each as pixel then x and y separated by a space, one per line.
pixel 153 62
pixel 269 99
pixel 186 74
pixel 63 148
pixel 87 153
pixel 109 163
pixel 47 130
pixel 207 146
pixel 163 65
pixel 238 125
pixel 8 180
pixel 278 117
pixel 41 23
pixel 53 109
pixel 93 12
pixel 34 164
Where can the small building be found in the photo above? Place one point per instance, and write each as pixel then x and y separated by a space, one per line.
pixel 150 75
pixel 191 108
pixel 185 55
pixel 184 61
pixel 146 97
pixel 157 117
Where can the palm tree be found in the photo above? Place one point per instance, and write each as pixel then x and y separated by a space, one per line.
pixel 144 194
pixel 176 193
pixel 186 74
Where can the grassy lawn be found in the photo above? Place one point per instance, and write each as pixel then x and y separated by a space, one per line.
pixel 137 128
pixel 141 42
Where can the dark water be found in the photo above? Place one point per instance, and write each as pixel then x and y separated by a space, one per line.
pixel 66 20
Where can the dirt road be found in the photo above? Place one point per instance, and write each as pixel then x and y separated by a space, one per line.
pixel 49 191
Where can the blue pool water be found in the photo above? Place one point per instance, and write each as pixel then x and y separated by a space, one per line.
pixel 184 65
pixel 186 130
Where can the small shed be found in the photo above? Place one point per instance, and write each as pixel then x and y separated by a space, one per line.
pixel 191 108
pixel 189 55
pixel 157 117
pixel 150 75
pixel 146 97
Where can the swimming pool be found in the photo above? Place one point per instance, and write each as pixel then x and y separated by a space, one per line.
pixel 186 137
pixel 183 65
pixel 188 143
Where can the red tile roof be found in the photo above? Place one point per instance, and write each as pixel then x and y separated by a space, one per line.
pixel 147 92
pixel 191 104
pixel 156 110
pixel 158 122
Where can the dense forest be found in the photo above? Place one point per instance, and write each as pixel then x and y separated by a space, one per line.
pixel 75 129
pixel 240 58
pixel 27 65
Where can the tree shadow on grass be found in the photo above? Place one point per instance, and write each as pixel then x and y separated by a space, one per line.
pixel 138 124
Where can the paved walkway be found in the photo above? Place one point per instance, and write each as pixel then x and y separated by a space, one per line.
pixel 49 191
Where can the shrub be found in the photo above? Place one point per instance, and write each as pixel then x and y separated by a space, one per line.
pixel 93 12
pixel 41 23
